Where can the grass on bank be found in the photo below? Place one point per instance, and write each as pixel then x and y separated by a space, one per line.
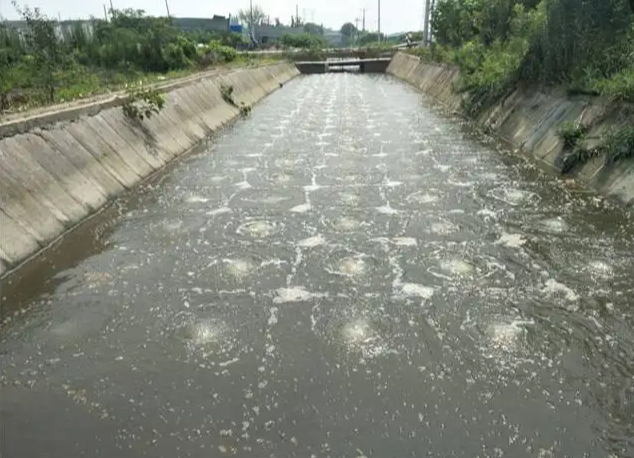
pixel 81 82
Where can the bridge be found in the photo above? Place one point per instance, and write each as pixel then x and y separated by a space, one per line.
pixel 376 65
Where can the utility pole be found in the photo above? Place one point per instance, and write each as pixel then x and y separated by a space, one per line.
pixel 111 8
pixel 426 22
pixel 363 23
pixel 431 11
pixel 105 12
pixel 356 30
pixel 379 21
pixel 297 14
pixel 167 7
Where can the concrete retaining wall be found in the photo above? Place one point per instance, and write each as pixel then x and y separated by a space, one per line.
pixel 54 172
pixel 529 119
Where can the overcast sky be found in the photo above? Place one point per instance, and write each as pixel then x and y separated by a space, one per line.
pixel 396 15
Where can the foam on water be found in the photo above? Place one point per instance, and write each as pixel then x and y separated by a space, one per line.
pixel 258 228
pixel 346 223
pixel 357 332
pixel 239 268
pixel 387 210
pixel 351 266
pixel 422 198
pixel 601 269
pixel 404 241
pixel 295 294
pixel 272 199
pixel 349 198
pixel 557 224
pixel 311 242
pixel 203 332
pixel 511 240
pixel 197 200
pixel 457 267
pixel 512 196
pixel 443 228
pixel 553 288
pixel 219 211
pixel 359 336
pixel 303 208
pixel 243 185
pixel 506 337
pixel 416 290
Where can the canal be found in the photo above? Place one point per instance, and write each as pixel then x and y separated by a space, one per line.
pixel 348 273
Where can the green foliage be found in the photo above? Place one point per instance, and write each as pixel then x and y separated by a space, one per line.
pixel 314 29
pixel 245 110
pixel 221 53
pixel 348 29
pixel 619 145
pixel 44 48
pixel 616 145
pixel 226 91
pixel 587 45
pixel 141 104
pixel 304 40
pixel 41 65
pixel 571 134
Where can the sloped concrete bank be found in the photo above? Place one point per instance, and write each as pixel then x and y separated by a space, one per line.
pixel 58 168
pixel 529 119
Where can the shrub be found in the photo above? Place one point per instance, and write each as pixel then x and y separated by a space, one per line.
pixel 141 104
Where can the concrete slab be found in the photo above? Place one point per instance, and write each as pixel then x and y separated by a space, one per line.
pixel 78 185
pixel 102 152
pixel 138 137
pixel 169 133
pixel 196 102
pixel 16 242
pixel 62 141
pixel 114 140
pixel 42 185
pixel 40 221
pixel 190 121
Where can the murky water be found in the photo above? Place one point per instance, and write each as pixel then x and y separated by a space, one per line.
pixel 347 273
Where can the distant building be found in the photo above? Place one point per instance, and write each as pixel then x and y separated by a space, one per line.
pixel 216 23
pixel 270 34
pixel 334 37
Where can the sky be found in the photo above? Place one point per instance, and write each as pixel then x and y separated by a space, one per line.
pixel 396 15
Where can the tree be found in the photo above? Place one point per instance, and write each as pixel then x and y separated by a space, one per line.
pixel 315 29
pixel 44 47
pixel 348 29
pixel 252 16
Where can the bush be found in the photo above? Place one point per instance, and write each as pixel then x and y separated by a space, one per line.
pixel 587 45
pixel 619 145
pixel 141 104
pixel 220 53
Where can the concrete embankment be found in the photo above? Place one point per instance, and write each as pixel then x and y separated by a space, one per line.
pixel 58 168
pixel 529 118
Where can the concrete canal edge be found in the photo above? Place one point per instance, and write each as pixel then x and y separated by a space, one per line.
pixel 528 120
pixel 58 168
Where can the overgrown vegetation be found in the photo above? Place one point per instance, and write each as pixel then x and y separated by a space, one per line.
pixel 45 61
pixel 586 45
pixel 616 145
pixel 226 91
pixel 141 104
pixel 304 40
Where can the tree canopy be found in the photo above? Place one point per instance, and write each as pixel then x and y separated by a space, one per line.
pixel 348 29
